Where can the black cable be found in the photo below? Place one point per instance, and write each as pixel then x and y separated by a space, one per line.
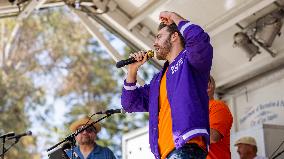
pixel 276 150
pixel 277 155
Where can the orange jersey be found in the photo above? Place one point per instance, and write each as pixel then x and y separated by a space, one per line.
pixel 221 120
pixel 165 140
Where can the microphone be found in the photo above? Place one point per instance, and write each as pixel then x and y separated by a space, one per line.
pixel 28 133
pixel 112 111
pixel 9 134
pixel 150 54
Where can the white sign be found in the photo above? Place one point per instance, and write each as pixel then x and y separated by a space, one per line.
pixel 270 112
pixel 263 105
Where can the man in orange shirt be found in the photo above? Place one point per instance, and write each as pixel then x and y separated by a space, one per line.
pixel 220 119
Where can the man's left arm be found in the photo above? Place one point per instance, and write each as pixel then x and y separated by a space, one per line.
pixel 220 123
pixel 197 45
pixel 197 42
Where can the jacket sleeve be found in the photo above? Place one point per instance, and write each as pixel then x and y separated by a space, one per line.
pixel 197 45
pixel 135 99
pixel 220 118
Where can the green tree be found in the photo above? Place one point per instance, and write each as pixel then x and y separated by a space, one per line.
pixel 53 52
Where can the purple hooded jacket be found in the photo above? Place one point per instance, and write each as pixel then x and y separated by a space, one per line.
pixel 187 81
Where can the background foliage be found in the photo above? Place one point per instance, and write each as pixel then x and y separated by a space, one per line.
pixel 53 58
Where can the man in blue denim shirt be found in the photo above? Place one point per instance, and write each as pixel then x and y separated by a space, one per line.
pixel 176 98
pixel 87 147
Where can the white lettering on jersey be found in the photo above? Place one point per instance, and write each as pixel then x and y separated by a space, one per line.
pixel 175 67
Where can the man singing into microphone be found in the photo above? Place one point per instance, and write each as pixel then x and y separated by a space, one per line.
pixel 176 98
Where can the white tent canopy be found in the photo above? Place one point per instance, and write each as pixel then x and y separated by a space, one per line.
pixel 136 22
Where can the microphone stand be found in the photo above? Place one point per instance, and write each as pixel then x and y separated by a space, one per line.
pixel 71 137
pixel 4 150
pixel 3 147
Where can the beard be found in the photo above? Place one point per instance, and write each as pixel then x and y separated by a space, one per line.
pixel 164 50
pixel 86 140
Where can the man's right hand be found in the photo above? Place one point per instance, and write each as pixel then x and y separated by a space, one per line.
pixel 141 58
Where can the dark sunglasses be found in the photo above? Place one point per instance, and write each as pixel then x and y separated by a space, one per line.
pixel 88 130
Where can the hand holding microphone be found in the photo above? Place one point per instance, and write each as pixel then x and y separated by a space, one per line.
pixel 136 59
